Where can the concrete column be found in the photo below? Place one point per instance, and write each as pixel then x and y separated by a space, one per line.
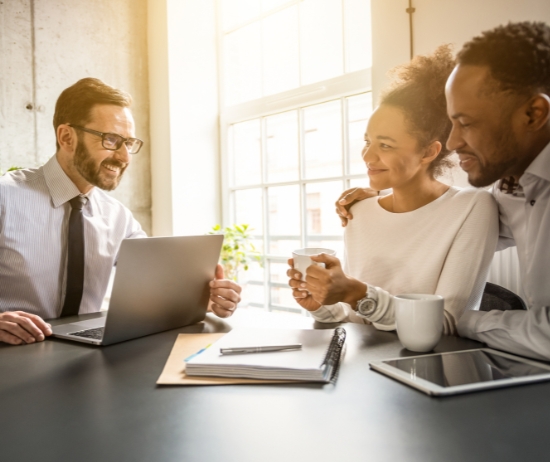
pixel 17 116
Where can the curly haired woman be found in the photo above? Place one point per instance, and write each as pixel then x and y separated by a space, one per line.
pixel 424 237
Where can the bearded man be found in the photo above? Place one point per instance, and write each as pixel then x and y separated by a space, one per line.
pixel 95 138
pixel 498 99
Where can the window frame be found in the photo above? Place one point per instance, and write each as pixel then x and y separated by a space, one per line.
pixel 337 88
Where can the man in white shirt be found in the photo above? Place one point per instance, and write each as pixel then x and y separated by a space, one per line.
pixel 95 136
pixel 498 100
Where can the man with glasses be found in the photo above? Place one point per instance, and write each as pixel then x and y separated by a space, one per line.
pixel 59 231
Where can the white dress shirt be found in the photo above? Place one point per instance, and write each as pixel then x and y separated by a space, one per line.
pixel 34 219
pixel 443 248
pixel 525 222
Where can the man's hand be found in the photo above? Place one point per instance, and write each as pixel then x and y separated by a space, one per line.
pixel 301 295
pixel 350 197
pixel 224 294
pixel 19 328
pixel 330 285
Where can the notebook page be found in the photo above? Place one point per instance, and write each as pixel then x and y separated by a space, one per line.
pixel 314 348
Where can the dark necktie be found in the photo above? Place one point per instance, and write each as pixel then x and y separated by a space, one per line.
pixel 75 258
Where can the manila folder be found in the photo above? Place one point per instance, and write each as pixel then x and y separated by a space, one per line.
pixel 186 345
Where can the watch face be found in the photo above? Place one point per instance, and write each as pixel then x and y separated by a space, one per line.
pixel 366 306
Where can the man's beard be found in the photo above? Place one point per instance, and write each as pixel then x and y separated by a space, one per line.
pixel 85 165
pixel 506 149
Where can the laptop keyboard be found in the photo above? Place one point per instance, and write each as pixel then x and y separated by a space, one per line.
pixel 96 333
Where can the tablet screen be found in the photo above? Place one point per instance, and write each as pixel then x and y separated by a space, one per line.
pixel 464 367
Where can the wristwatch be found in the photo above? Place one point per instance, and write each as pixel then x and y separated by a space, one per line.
pixel 367 305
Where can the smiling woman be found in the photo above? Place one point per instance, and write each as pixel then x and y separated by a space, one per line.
pixel 425 237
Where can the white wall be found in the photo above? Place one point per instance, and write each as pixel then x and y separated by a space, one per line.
pixel 436 22
pixel 46 46
pixel 184 116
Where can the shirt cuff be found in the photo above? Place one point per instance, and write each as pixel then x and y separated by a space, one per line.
pixel 324 313
pixel 466 326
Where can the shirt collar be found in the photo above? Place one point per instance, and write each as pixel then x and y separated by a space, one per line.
pixel 61 188
pixel 509 185
pixel 540 167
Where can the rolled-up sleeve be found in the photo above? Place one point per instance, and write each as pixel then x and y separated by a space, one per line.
pixel 526 333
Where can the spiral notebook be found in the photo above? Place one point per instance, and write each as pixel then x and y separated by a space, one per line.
pixel 317 360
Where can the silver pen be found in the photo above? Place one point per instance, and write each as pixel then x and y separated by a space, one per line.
pixel 259 349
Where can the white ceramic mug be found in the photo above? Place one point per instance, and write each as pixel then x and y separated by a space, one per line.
pixel 419 320
pixel 302 258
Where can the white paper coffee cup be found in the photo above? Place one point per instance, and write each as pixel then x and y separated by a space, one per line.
pixel 302 259
pixel 419 320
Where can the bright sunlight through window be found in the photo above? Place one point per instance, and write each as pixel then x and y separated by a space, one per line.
pixel 295 103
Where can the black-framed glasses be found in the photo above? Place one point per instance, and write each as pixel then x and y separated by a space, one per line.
pixel 112 141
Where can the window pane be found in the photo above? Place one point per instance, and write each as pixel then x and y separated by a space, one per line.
pixel 280 51
pixel 253 293
pixel 359 183
pixel 321 217
pixel 321 40
pixel 242 57
pixel 246 153
pixel 255 272
pixel 235 12
pixel 323 140
pixel 282 147
pixel 248 210
pixel 357 34
pixel 268 5
pixel 359 111
pixel 253 284
pixel 284 220
pixel 280 295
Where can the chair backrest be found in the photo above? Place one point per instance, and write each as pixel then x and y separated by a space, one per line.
pixel 496 297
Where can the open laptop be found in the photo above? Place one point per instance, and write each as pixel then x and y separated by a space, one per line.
pixel 161 283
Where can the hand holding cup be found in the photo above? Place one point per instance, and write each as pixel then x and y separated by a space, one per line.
pixel 299 264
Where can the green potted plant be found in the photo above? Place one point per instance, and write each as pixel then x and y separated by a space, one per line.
pixel 237 250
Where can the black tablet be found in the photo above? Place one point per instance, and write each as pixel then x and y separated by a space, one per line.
pixel 463 371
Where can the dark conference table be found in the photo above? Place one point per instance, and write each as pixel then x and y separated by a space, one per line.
pixel 61 401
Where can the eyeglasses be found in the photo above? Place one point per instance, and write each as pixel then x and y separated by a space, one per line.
pixel 112 141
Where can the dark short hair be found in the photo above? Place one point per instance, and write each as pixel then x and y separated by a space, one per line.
pixel 75 103
pixel 418 89
pixel 517 55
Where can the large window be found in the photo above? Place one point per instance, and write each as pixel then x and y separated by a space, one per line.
pixel 295 100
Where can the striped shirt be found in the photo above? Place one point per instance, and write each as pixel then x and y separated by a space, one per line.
pixel 34 221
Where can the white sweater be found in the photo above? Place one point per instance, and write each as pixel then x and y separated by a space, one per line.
pixel 443 248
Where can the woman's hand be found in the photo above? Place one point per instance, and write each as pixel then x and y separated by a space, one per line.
pixel 330 285
pixel 301 295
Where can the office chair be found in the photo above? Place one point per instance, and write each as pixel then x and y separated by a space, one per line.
pixel 496 297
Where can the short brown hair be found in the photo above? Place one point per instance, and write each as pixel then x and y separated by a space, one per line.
pixel 418 89
pixel 75 103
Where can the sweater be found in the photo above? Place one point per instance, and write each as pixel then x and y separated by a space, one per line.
pixel 443 248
